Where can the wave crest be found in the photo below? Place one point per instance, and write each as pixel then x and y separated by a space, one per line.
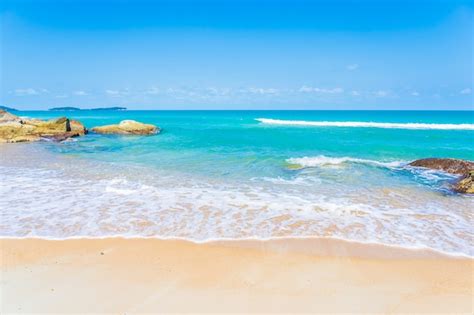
pixel 362 124
pixel 321 160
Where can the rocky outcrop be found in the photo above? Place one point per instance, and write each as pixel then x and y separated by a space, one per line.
pixel 453 166
pixel 466 184
pixel 128 127
pixel 16 129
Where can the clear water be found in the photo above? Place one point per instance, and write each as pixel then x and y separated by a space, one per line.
pixel 246 174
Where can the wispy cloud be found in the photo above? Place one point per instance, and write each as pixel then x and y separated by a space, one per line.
pixel 80 93
pixel 381 93
pixel 27 91
pixel 352 67
pixel 263 91
pixel 309 89
pixel 153 91
pixel 466 91
pixel 117 93
pixel 223 95
pixel 213 91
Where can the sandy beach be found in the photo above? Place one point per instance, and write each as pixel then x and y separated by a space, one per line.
pixel 295 275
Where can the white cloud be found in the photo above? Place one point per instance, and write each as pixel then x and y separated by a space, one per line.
pixel 309 89
pixel 352 67
pixel 381 93
pixel 355 93
pixel 61 96
pixel 80 93
pixel 117 93
pixel 262 91
pixel 466 91
pixel 213 91
pixel 153 91
pixel 415 93
pixel 182 92
pixel 112 92
pixel 28 91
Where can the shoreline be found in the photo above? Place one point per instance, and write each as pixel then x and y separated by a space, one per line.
pixel 151 275
pixel 312 245
pixel 165 204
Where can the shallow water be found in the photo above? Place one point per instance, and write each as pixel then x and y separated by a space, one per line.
pixel 227 174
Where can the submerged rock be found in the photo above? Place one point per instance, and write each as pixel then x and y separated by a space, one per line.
pixel 452 166
pixel 16 129
pixel 128 127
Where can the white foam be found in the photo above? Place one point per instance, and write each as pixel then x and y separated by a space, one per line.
pixel 49 196
pixel 321 161
pixel 52 203
pixel 361 124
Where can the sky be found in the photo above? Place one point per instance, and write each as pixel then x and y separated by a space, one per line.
pixel 280 54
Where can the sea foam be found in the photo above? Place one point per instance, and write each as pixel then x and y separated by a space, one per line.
pixel 361 124
pixel 321 161
pixel 55 203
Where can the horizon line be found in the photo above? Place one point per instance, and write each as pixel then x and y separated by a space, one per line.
pixel 237 109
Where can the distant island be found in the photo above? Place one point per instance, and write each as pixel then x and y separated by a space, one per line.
pixel 64 108
pixel 9 109
pixel 68 108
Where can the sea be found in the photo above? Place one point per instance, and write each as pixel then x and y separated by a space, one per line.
pixel 226 175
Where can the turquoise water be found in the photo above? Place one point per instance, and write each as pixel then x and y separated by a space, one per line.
pixel 240 174
pixel 234 144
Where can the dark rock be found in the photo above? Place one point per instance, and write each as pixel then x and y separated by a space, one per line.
pixel 452 166
pixel 465 169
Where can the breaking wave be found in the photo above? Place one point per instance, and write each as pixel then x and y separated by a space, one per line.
pixel 361 124
pixel 321 161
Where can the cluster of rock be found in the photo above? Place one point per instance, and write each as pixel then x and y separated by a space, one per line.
pixel 17 129
pixel 453 166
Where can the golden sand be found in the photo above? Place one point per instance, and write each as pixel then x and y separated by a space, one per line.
pixel 125 276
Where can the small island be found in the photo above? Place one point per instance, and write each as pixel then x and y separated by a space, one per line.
pixel 109 108
pixel 69 108
pixel 9 109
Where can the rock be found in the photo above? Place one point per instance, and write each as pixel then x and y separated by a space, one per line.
pixel 16 129
pixel 6 117
pixel 466 184
pixel 453 166
pixel 128 127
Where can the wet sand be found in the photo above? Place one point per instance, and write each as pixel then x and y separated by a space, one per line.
pixel 117 275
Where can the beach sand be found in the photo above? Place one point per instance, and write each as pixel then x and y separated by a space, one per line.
pixel 124 276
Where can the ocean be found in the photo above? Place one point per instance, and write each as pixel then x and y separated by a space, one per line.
pixel 246 174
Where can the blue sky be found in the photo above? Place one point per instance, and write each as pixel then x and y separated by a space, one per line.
pixel 237 54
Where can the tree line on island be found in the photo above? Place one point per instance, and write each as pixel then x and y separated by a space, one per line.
pixel 67 108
